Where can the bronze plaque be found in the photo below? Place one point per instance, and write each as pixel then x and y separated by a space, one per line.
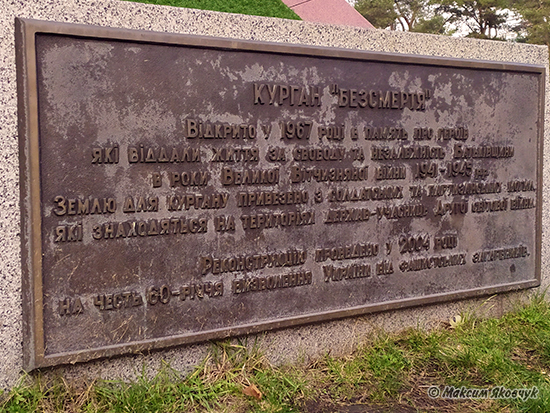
pixel 178 189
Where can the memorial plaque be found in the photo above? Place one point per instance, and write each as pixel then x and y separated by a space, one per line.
pixel 177 189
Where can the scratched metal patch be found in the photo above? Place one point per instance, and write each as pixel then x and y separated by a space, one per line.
pixel 177 189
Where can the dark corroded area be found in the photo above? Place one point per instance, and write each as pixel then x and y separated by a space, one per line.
pixel 178 189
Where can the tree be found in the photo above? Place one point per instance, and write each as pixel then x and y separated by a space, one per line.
pixel 535 26
pixel 407 15
pixel 380 13
pixel 484 18
pixel 411 12
pixel 435 25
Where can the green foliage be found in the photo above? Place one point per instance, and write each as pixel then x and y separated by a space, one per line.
pixel 23 398
pixel 434 25
pixel 484 18
pixel 380 13
pixel 388 365
pixel 535 27
pixel 268 8
pixel 389 373
pixel 411 12
pixel 510 352
pixel 407 15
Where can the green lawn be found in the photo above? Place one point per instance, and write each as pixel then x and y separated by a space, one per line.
pixel 393 372
pixel 269 8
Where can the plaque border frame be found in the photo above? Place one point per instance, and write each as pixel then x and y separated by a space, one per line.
pixel 30 202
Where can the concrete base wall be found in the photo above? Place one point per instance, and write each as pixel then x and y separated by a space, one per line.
pixel 338 337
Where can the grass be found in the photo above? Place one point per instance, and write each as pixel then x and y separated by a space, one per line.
pixel 390 373
pixel 268 8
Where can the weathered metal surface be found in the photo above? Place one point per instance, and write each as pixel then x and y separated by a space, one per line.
pixel 179 188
